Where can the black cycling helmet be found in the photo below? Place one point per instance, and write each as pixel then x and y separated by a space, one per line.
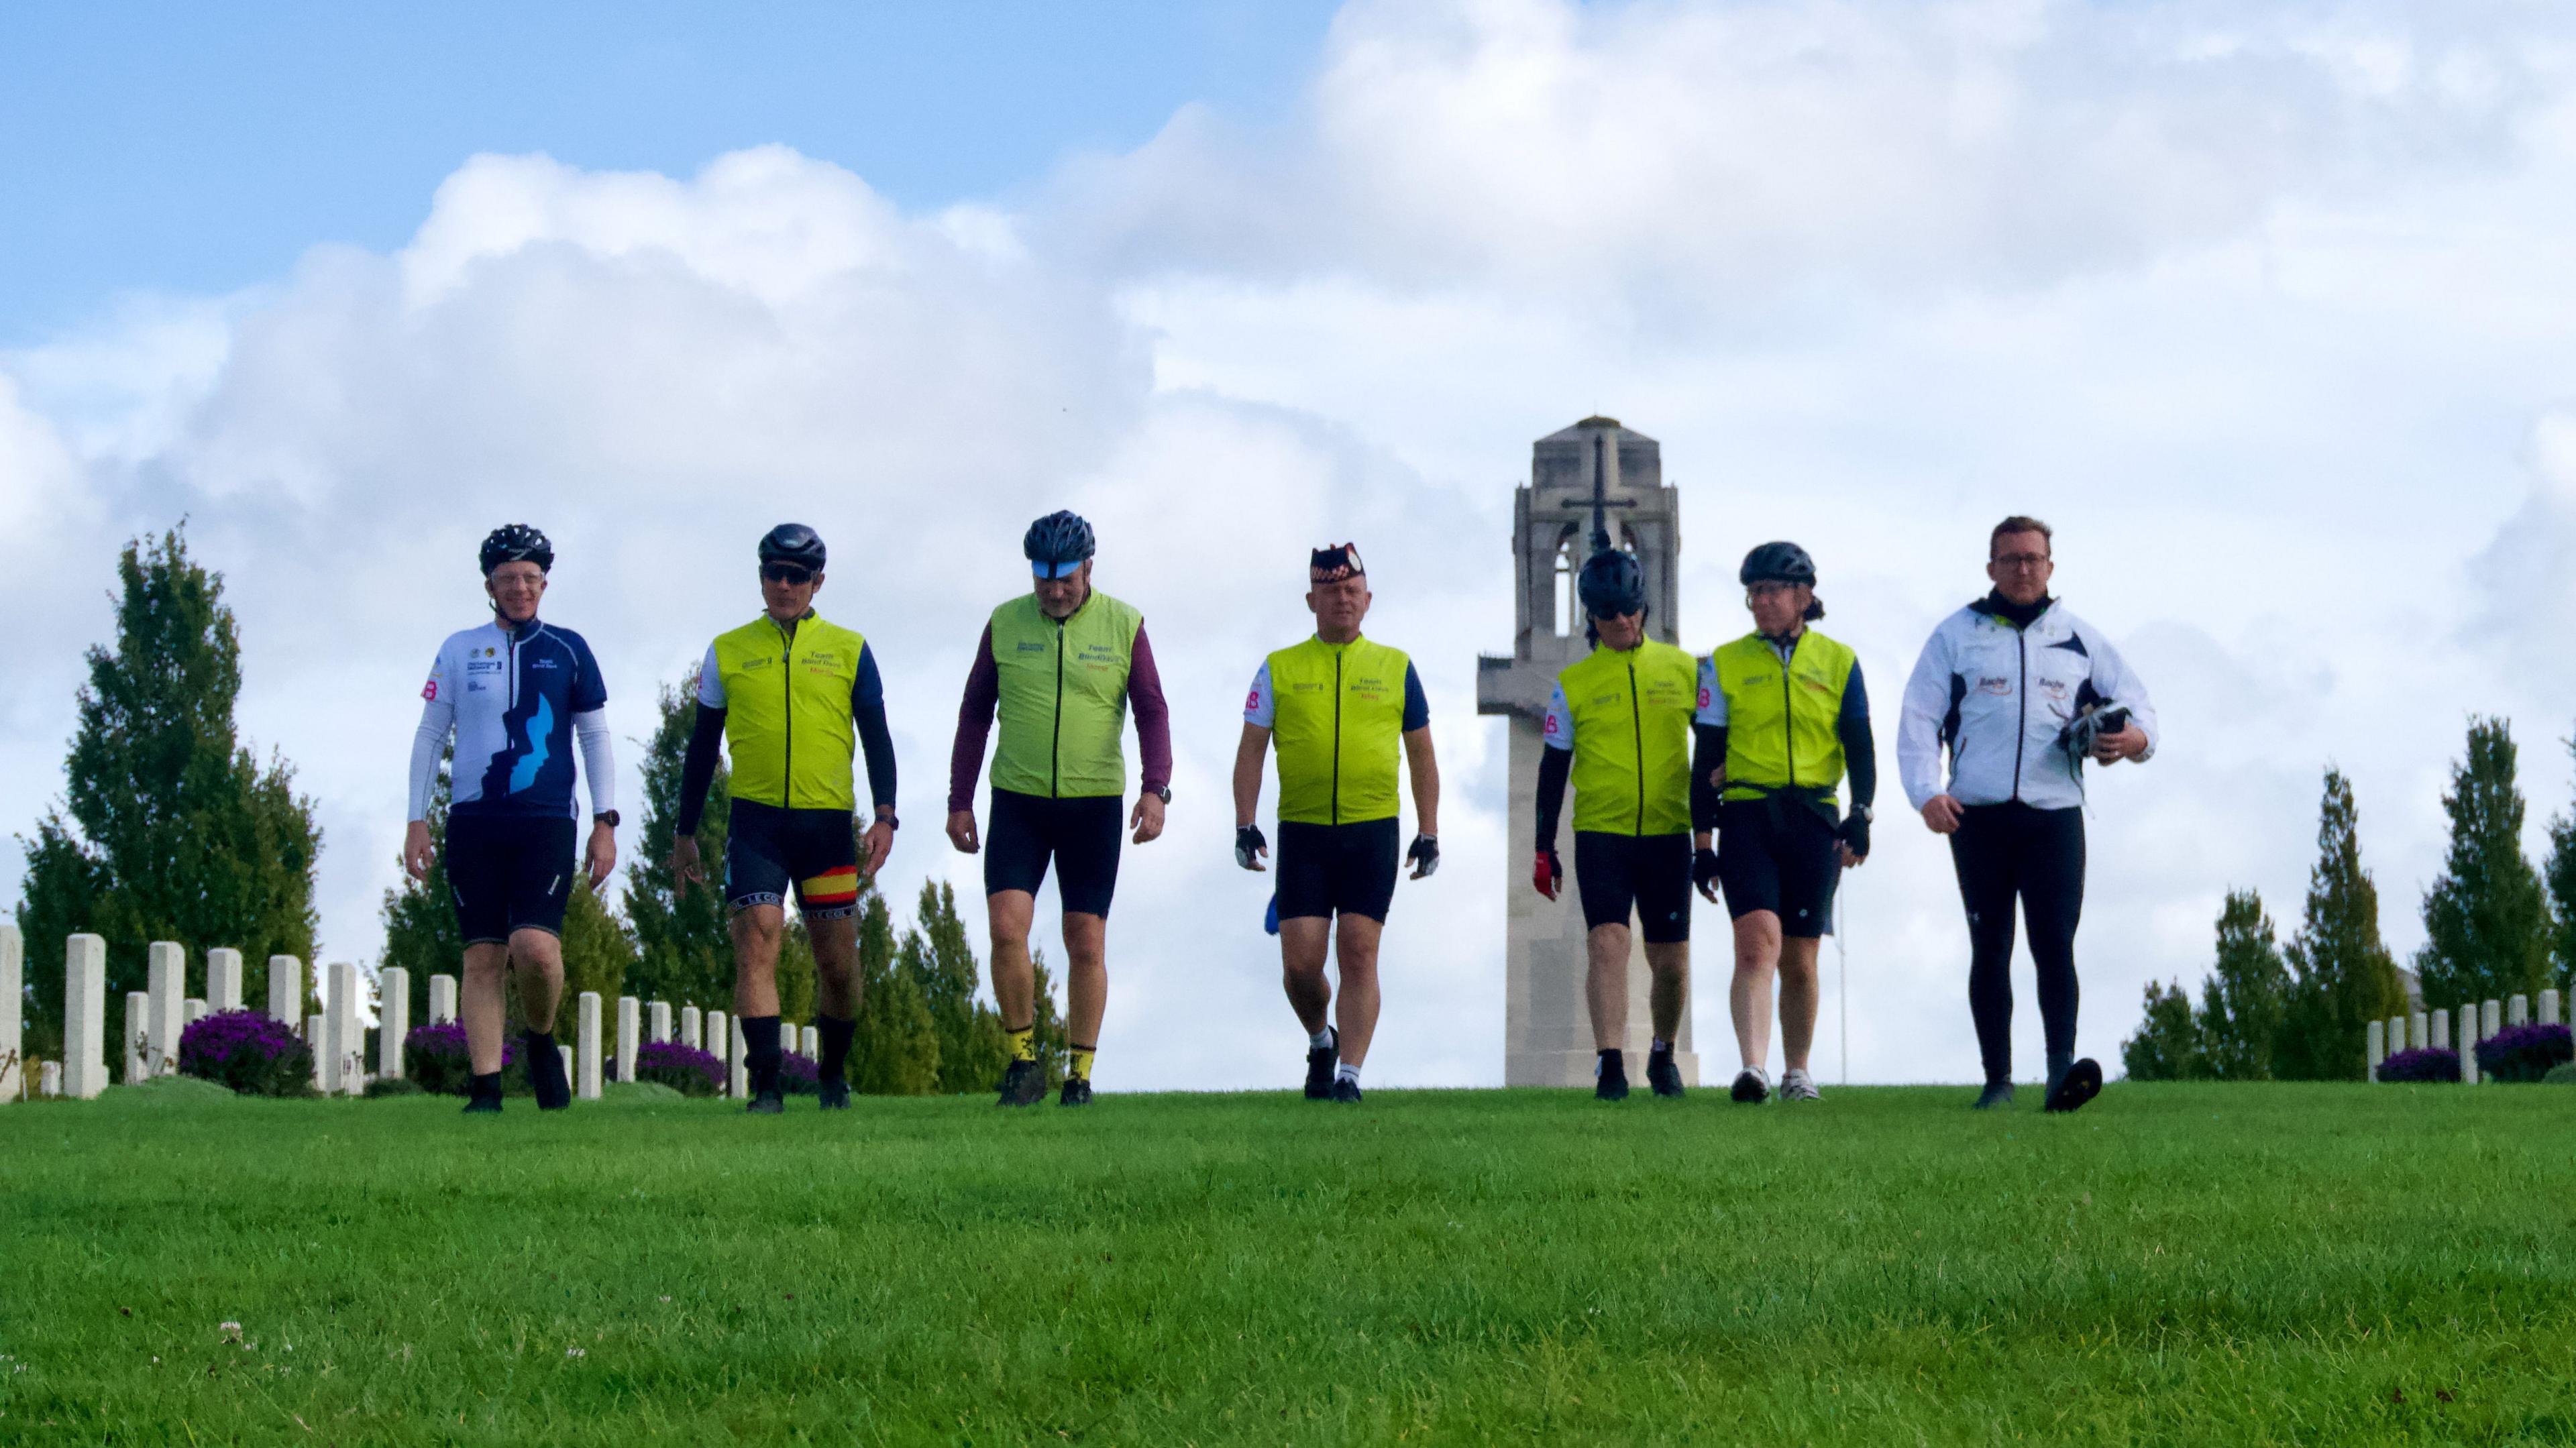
pixel 1777 563
pixel 792 543
pixel 1612 584
pixel 1059 537
pixel 517 543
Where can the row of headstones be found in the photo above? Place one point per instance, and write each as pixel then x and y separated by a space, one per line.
pixel 155 1016
pixel 2432 1030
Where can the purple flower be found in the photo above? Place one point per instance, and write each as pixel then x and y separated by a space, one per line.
pixel 2525 1053
pixel 683 1068
pixel 249 1051
pixel 2430 1064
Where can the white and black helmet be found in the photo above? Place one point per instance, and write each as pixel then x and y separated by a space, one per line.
pixel 517 543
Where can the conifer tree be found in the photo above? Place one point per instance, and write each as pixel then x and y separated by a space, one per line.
pixel 421 933
pixel 941 961
pixel 2561 879
pixel 2167 1045
pixel 2342 976
pixel 2486 918
pixel 170 827
pixel 2242 1001
pixel 896 1050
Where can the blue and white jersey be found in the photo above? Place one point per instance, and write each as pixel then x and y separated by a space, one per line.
pixel 1997 699
pixel 513 698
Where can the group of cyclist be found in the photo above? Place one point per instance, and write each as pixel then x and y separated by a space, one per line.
pixel 1720 773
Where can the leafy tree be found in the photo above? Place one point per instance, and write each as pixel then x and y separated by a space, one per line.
pixel 896 1052
pixel 2341 974
pixel 1055 1052
pixel 421 933
pixel 2486 918
pixel 2243 1000
pixel 2562 893
pixel 176 830
pixel 2167 1045
pixel 941 962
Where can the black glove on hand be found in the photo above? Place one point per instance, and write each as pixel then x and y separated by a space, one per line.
pixel 1703 870
pixel 1249 846
pixel 1855 836
pixel 1425 856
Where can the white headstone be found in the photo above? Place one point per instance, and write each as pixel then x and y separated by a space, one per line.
pixel 347 1073
pixel 2441 1030
pixel 191 1011
pixel 565 1052
pixel 223 979
pixel 442 999
pixel 2375 1046
pixel 2396 1034
pixel 13 994
pixel 84 1016
pixel 2418 1032
pixel 657 1021
pixel 692 1028
pixel 719 1038
pixel 166 982
pixel 2549 1008
pixel 49 1079
pixel 739 1078
pixel 585 1081
pixel 813 1044
pixel 2492 1020
pixel 315 1034
pixel 2469 1043
pixel 138 1040
pixel 285 988
pixel 2517 1011
pixel 630 1035
pixel 393 1020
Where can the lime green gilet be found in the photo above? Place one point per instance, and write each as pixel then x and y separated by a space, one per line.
pixel 1338 717
pixel 1632 738
pixel 1063 697
pixel 1781 722
pixel 787 712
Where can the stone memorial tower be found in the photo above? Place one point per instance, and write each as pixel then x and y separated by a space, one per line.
pixel 1547 1032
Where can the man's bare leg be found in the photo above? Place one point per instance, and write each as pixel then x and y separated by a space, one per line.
pixel 1799 997
pixel 1605 985
pixel 1357 1016
pixel 1757 963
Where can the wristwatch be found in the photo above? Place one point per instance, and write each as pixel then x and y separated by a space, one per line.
pixel 606 817
pixel 1861 812
pixel 1164 794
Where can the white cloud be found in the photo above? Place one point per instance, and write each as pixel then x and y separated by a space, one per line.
pixel 2266 309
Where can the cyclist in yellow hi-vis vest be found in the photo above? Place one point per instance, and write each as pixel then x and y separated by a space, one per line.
pixel 1782 718
pixel 1061 664
pixel 791 698
pixel 1336 704
pixel 1619 725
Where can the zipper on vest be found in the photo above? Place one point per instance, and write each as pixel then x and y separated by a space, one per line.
pixel 787 698
pixel 1055 743
pixel 1337 738
pixel 1788 714
pixel 1637 726
pixel 2021 731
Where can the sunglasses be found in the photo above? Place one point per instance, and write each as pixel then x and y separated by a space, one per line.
pixel 1055 570
pixel 785 573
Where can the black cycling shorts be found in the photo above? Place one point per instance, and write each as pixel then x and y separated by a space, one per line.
pixel 816 850
pixel 1329 869
pixel 1779 855
pixel 509 872
pixel 1080 835
pixel 1650 874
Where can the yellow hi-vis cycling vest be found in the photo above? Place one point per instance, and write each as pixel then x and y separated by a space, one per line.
pixel 1338 718
pixel 1632 738
pixel 787 712
pixel 1781 721
pixel 1063 696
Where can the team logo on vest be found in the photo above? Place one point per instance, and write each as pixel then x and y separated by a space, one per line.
pixel 1995 684
pixel 1030 646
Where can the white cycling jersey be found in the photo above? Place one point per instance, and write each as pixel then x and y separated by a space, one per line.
pixel 1999 698
pixel 514 699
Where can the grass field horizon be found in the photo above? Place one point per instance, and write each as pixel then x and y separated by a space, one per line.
pixel 2175 1264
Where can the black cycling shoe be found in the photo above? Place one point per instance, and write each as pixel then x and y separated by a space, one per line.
pixel 1345 1089
pixel 1023 1085
pixel 767 1103
pixel 477 1105
pixel 1663 1075
pixel 1319 1067
pixel 1749 1088
pixel 1998 1096
pixel 2081 1083
pixel 836 1096
pixel 1076 1092
pixel 1609 1077
pixel 546 1073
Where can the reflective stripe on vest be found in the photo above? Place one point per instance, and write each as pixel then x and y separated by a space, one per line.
pixel 1632 739
pixel 1063 697
pixel 1338 716
pixel 1781 723
pixel 788 728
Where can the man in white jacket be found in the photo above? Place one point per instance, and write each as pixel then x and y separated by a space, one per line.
pixel 2019 692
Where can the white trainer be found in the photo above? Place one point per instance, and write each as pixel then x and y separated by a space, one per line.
pixel 1797 1085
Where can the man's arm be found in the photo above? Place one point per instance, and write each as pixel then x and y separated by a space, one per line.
pixel 974 725
pixel 867 710
pixel 428 742
pixel 1708 762
pixel 1860 747
pixel 2113 679
pixel 1153 717
pixel 1418 759
pixel 1918 721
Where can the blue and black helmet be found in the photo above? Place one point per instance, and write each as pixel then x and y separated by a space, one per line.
pixel 793 543
pixel 1058 544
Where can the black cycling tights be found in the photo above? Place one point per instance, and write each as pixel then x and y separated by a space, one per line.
pixel 2005 851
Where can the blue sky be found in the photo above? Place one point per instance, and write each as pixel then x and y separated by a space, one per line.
pixel 194 149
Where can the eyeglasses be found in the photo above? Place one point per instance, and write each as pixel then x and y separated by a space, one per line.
pixel 1767 588
pixel 785 573
pixel 2028 562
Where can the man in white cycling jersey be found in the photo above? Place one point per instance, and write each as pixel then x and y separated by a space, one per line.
pixel 2020 693
pixel 515 693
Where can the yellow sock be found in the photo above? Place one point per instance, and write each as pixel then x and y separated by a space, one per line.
pixel 1024 1044
pixel 1080 1066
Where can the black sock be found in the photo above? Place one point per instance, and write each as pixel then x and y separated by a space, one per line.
pixel 541 1041
pixel 837 1035
pixel 760 1052
pixel 486 1087
pixel 1610 1057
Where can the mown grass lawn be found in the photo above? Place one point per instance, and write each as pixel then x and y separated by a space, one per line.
pixel 2175 1264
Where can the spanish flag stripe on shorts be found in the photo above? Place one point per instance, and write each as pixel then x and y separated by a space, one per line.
pixel 831 888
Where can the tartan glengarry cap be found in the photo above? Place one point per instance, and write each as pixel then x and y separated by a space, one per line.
pixel 1333 564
